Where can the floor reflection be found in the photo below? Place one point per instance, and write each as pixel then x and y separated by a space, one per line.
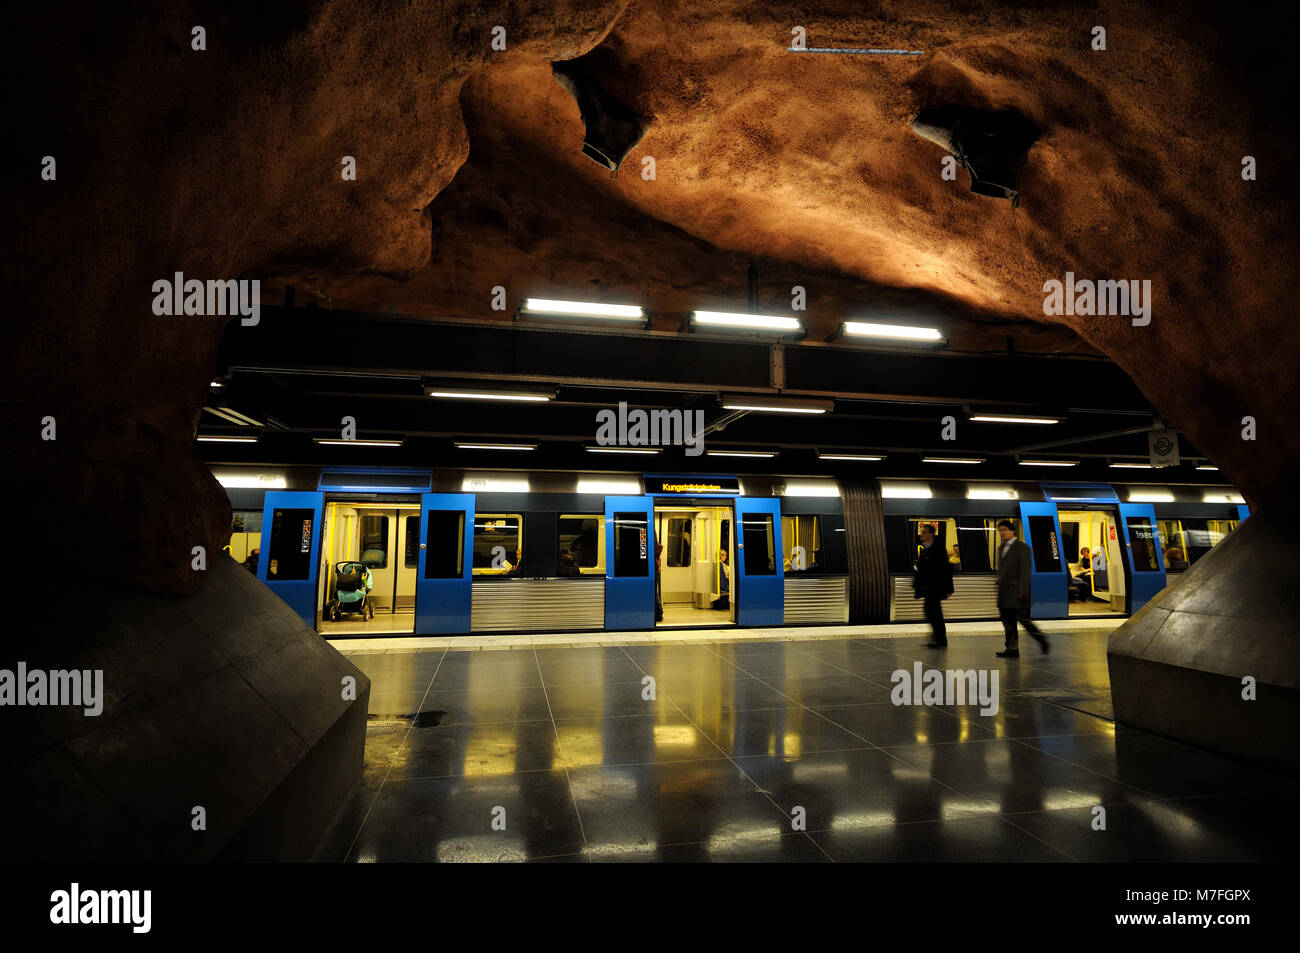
pixel 780 751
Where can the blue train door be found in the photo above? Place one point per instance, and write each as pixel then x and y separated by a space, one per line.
pixel 443 584
pixel 289 561
pixel 760 575
pixel 1048 575
pixel 629 562
pixel 1142 550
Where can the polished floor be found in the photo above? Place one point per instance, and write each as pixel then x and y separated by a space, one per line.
pixel 534 753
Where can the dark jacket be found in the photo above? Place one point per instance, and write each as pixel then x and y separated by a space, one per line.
pixel 933 573
pixel 1013 577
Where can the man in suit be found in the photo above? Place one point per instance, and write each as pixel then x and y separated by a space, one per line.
pixel 1013 591
pixel 933 583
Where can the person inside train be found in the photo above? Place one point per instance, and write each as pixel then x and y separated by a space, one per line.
pixel 518 568
pixel 724 582
pixel 568 565
pixel 659 573
pixel 251 562
pixel 1174 559
pixel 954 557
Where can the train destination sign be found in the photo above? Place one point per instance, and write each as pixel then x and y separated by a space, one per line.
pixel 692 485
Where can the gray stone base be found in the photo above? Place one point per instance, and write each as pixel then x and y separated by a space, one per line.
pixel 1176 667
pixel 223 700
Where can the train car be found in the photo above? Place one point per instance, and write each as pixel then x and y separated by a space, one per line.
pixel 454 552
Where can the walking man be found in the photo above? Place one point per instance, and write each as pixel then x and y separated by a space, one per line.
pixel 933 583
pixel 1013 591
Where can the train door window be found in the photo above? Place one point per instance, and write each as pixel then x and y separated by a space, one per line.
pixel 801 544
pixel 1196 534
pixel 583 538
pixel 973 545
pixel 1219 530
pixel 631 544
pixel 759 545
pixel 498 543
pixel 290 555
pixel 374 541
pixel 1046 547
pixel 1070 540
pixel 1142 540
pixel 678 548
pixel 444 556
pixel 411 558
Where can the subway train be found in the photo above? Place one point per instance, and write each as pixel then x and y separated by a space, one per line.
pixel 453 552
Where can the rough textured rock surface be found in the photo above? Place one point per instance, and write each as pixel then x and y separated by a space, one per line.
pixel 226 163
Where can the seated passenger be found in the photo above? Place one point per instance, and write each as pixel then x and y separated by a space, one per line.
pixel 518 567
pixel 1174 559
pixel 724 582
pixel 251 562
pixel 568 565
pixel 954 557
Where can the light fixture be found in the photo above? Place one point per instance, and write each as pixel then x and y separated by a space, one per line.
pixel 1130 466
pixel 751 322
pixel 485 484
pixel 1150 496
pixel 811 488
pixel 608 487
pixel 494 446
pixel 1208 467
pixel 552 308
pixel 1223 498
pixel 234 416
pixel 474 393
pixel 776 405
pixel 339 442
pixel 217 383
pixel 952 459
pixel 894 332
pixel 258 481
pixel 905 491
pixel 863 457
pixel 220 439
pixel 624 449
pixel 974 492
pixel 1049 463
pixel 740 453
pixel 1013 419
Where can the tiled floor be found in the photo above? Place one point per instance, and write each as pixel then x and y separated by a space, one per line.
pixel 567 753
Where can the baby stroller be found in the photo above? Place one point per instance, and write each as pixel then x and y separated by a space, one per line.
pixel 352 582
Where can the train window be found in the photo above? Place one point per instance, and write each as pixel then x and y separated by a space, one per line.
pixel 631 544
pixel 444 556
pixel 290 555
pixel 1046 547
pixel 245 536
pixel 498 543
pixel 411 558
pixel 678 547
pixel 945 537
pixel 898 544
pixel 801 544
pixel 374 541
pixel 1142 541
pixel 757 537
pixel 978 542
pixel 583 537
pixel 1070 540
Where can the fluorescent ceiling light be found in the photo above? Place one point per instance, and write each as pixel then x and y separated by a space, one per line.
pixel 849 456
pixel 905 491
pixel 234 416
pixel 495 446
pixel 469 393
pixel 624 449
pixel 952 459
pixel 1049 463
pixel 1207 467
pixel 990 493
pixel 812 488
pixel 1131 466
pixel 582 309
pixel 480 484
pixel 215 439
pixel 217 383
pixel 338 442
pixel 897 332
pixel 1012 419
pixel 1223 498
pixel 776 405
pixel 612 487
pixel 739 453
pixel 1150 496
pixel 255 482
pixel 754 322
